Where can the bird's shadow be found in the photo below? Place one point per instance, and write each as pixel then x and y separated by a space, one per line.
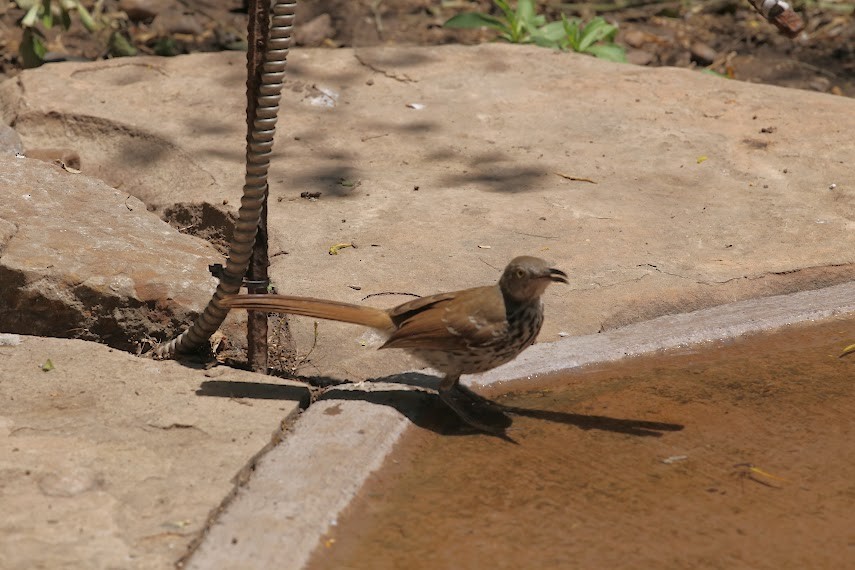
pixel 421 405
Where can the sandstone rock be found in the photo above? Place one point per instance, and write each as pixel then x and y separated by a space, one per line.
pixel 691 207
pixel 80 259
pixel 639 57
pixel 314 32
pixel 702 54
pixel 67 157
pixel 143 10
pixel 174 20
pixel 10 142
pixel 114 461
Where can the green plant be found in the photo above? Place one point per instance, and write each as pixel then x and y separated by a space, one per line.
pixel 596 38
pixel 32 49
pixel 523 25
pixel 517 26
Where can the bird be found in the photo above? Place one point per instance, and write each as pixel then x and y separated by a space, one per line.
pixel 460 332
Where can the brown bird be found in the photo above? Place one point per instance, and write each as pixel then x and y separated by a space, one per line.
pixel 462 332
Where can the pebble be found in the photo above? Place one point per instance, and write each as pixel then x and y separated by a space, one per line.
pixel 702 54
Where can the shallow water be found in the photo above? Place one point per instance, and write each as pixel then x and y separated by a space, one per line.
pixel 727 455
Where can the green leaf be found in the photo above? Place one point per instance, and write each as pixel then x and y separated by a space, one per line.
pixel 66 18
pixel 526 14
pixel 166 47
pixel 32 49
pixel 543 41
pixel 609 52
pixel 596 30
pixel 47 15
pixel 29 19
pixel 475 20
pixel 86 19
pixel 552 31
pixel 505 7
pixel 119 46
pixel 571 31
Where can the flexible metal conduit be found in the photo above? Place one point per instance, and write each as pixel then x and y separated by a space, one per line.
pixel 255 184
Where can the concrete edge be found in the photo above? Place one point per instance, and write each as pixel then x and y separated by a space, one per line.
pixel 670 331
pixel 301 486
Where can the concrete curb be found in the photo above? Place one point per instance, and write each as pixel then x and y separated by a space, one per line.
pixel 301 486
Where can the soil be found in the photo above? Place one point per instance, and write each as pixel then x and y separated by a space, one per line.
pixel 735 455
pixel 726 36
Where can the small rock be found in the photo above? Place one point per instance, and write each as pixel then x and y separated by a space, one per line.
pixel 702 54
pixel 635 38
pixel 821 84
pixel 10 142
pixel 176 21
pixel 314 32
pixel 639 57
pixel 67 157
pixel 142 10
pixel 10 339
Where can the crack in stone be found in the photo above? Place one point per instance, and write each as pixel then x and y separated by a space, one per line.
pixel 746 277
pixel 599 286
pixel 240 479
pixel 174 426
pixel 403 78
pixel 8 239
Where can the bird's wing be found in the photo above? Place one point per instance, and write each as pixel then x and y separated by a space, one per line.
pixel 449 321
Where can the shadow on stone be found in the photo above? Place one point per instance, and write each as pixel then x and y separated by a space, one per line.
pixel 254 391
pixel 427 411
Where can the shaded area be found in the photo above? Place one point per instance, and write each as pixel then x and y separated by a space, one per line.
pixel 762 476
pixel 254 391
pixel 497 177
pixel 424 408
pixel 603 423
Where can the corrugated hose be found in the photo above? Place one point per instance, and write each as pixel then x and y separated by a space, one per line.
pixel 258 154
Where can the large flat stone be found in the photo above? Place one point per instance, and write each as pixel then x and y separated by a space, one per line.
pixel 440 164
pixel 706 190
pixel 113 461
pixel 81 259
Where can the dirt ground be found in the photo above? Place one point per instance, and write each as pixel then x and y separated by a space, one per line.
pixel 734 455
pixel 726 36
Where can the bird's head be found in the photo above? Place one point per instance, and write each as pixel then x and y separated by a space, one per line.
pixel 526 278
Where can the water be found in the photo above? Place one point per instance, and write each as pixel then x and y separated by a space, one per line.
pixel 728 455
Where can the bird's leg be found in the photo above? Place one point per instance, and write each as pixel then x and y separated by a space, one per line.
pixel 480 400
pixel 447 394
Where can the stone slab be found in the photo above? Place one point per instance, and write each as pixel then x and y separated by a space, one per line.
pixel 113 461
pixel 660 191
pixel 80 259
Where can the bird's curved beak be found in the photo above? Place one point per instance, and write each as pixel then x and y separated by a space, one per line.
pixel 557 275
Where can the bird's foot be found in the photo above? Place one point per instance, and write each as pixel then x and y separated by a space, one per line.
pixel 450 397
pixel 482 401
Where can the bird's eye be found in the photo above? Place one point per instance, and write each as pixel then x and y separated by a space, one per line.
pixel 520 273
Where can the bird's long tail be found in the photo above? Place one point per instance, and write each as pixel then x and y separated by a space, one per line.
pixel 309 307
